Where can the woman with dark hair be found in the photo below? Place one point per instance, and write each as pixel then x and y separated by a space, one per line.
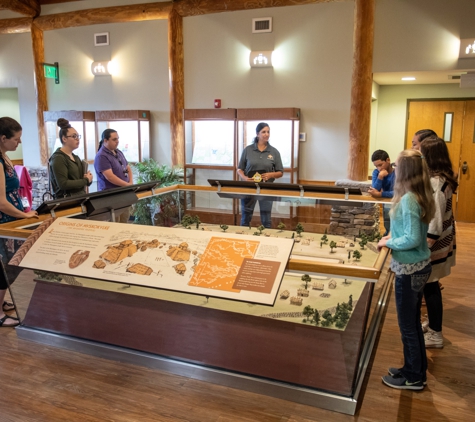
pixel 67 174
pixel 112 168
pixel 11 208
pixel 419 136
pixel 260 162
pixel 440 236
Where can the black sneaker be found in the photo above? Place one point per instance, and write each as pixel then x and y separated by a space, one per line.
pixel 396 372
pixel 401 383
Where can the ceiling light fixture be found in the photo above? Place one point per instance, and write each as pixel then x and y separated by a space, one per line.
pixel 408 78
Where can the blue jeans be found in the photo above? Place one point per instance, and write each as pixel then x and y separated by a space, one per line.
pixel 409 290
pixel 386 219
pixel 248 204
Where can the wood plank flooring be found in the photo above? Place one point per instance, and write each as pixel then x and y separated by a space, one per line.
pixel 40 383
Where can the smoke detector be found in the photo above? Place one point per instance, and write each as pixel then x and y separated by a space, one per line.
pixel 260 25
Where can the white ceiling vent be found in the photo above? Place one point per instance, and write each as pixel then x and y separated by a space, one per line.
pixel 261 25
pixel 467 80
pixel 101 39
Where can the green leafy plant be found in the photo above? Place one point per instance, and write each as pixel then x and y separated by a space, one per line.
pixel 160 210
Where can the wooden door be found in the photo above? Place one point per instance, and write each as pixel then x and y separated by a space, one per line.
pixel 466 171
pixel 432 115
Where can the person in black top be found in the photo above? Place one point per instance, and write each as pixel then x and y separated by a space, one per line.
pixel 260 162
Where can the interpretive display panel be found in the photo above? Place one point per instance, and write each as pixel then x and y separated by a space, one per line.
pixel 231 266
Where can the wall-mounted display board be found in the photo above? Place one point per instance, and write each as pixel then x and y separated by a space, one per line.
pixel 311 345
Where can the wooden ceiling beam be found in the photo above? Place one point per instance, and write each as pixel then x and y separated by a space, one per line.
pixel 204 7
pixel 25 7
pixel 15 26
pixel 115 14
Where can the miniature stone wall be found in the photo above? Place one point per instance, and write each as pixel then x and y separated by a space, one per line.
pixel 351 220
pixel 39 178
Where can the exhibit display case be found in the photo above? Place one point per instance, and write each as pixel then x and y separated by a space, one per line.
pixel 82 121
pixel 133 127
pixel 288 311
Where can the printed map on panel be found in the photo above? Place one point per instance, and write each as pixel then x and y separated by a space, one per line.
pixel 221 261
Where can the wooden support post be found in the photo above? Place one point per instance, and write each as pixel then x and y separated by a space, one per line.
pixel 361 86
pixel 177 86
pixel 40 84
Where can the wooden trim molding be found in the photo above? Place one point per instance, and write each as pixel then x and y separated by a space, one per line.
pixel 204 7
pixel 115 14
pixel 15 26
pixel 25 7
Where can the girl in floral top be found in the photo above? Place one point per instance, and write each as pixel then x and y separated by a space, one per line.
pixel 11 208
pixel 411 213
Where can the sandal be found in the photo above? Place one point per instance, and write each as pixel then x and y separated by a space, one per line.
pixel 14 324
pixel 8 306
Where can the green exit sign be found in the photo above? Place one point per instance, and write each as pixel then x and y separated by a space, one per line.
pixel 52 71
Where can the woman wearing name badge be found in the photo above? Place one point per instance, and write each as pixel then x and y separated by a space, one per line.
pixel 67 174
pixel 11 208
pixel 260 162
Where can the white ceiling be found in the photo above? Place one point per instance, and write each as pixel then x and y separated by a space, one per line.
pixel 433 77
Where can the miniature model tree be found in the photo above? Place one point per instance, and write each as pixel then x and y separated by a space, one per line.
pixel 357 255
pixel 223 227
pixel 363 243
pixel 281 226
pixel 321 244
pixel 327 318
pixel 378 237
pixel 293 235
pixel 187 221
pixel 306 279
pixel 349 255
pixel 257 233
pixel 350 302
pixel 307 312
pixel 261 228
pixel 299 229
pixel 316 317
pixel 324 239
pixel 197 221
pixel 332 245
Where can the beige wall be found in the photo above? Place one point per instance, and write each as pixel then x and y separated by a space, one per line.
pixel 10 106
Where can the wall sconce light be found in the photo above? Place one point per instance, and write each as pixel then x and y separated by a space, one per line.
pixel 102 68
pixel 467 48
pixel 260 59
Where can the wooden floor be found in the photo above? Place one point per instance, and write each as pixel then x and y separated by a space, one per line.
pixel 39 383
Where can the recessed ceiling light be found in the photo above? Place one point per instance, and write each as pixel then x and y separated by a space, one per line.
pixel 408 78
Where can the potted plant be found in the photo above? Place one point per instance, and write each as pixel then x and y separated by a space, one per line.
pixel 161 210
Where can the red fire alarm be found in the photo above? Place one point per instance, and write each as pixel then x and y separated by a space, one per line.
pixel 217 103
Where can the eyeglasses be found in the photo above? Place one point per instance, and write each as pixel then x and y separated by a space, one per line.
pixel 74 136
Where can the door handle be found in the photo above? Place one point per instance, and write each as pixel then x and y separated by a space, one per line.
pixel 464 167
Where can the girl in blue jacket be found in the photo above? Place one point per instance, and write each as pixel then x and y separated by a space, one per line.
pixel 411 212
